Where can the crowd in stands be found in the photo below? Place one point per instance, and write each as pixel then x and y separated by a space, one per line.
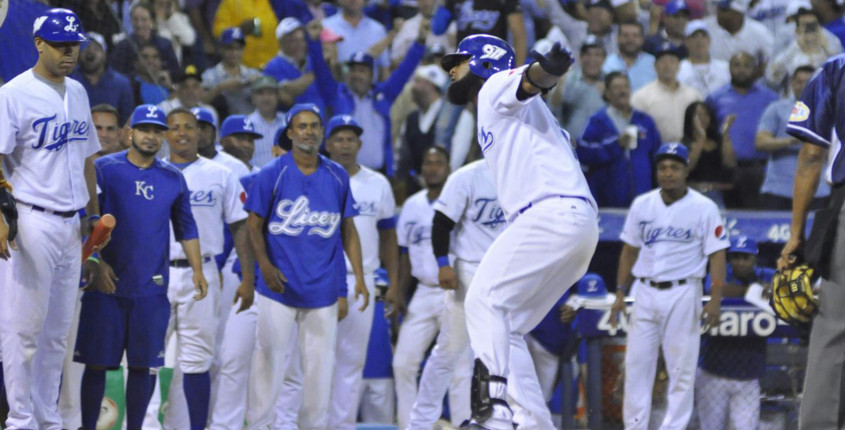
pixel 719 76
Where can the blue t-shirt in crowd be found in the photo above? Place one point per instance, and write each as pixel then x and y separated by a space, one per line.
pixel 742 357
pixel 640 73
pixel 552 333
pixel 113 88
pixel 303 233
pixel 282 69
pixel 748 108
pixel 145 201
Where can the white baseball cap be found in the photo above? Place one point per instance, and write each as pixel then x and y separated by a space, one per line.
pixel 795 6
pixel 286 26
pixel 433 74
pixel 740 6
pixel 696 25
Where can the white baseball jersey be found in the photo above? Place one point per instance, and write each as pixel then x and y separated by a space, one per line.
pixel 46 139
pixel 236 166
pixel 215 198
pixel 413 231
pixel 469 199
pixel 674 240
pixel 529 155
pixel 376 206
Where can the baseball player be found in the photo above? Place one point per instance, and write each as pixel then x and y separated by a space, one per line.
pixel 727 387
pixel 129 311
pixel 300 222
pixel 207 145
pixel 237 143
pixel 552 231
pixel 818 119
pixel 47 140
pixel 467 206
pixel 422 321
pixel 670 235
pixel 215 196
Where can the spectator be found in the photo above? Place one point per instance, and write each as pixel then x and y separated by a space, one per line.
pixel 230 78
pixel 105 118
pixel 618 146
pixel 665 99
pixel 291 67
pixel 600 16
pixel 369 104
pixel 304 10
pixel 419 131
pixel 830 14
pixel 747 99
pixel 676 15
pixel 102 83
pixel 408 33
pixel 175 26
pixel 580 94
pixel 188 89
pixel 711 152
pixel 95 17
pixel 201 13
pixel 266 119
pixel 630 57
pixel 700 70
pixel 772 14
pixel 359 33
pixel 257 21
pixel 122 59
pixel 783 149
pixel 810 46
pixel 495 18
pixel 727 387
pixel 152 84
pixel 731 32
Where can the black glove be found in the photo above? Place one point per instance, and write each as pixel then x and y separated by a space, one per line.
pixel 557 61
pixel 10 211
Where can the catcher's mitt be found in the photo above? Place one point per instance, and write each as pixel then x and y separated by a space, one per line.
pixel 793 298
pixel 8 209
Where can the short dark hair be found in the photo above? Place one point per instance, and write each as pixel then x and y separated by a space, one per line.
pixel 106 108
pixel 806 68
pixel 439 149
pixel 183 110
pixel 636 23
pixel 608 78
pixel 143 5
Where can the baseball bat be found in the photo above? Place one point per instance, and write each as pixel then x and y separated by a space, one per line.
pixel 102 230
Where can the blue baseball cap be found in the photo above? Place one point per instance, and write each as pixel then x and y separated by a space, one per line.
pixel 280 140
pixel 343 121
pixel 238 124
pixel 204 115
pixel 283 139
pixel 668 48
pixel 591 285
pixel 677 6
pixel 231 35
pixel 149 114
pixel 362 57
pixel 743 244
pixel 673 150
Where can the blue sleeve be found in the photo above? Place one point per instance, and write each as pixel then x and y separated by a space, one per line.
pixel 655 141
pixel 812 118
pixel 326 84
pixel 184 226
pixel 260 194
pixel 397 80
pixel 387 223
pixel 441 20
pixel 126 100
pixel 598 144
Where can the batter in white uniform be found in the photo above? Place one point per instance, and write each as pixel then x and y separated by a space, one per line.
pixel 215 201
pixel 47 139
pixel 552 231
pixel 670 235
pixel 468 205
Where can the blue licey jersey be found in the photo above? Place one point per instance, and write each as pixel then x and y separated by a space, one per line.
pixel 144 201
pixel 303 219
pixel 819 116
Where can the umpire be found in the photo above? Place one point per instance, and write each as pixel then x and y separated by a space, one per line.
pixel 818 119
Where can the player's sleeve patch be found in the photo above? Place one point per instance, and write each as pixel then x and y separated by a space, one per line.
pixel 243 197
pixel 720 233
pixel 800 112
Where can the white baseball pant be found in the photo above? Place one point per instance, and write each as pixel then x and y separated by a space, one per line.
pixel 39 285
pixel 228 408
pixel 726 403
pixel 289 403
pixel 547 365
pixel 378 401
pixel 450 362
pixel 667 319
pixel 69 407
pixel 317 330
pixel 229 282
pixel 543 252
pixel 418 330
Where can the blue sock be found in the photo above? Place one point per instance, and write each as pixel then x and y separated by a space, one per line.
pixel 91 396
pixel 138 389
pixel 197 388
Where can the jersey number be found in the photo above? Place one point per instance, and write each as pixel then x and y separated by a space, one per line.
pixel 493 52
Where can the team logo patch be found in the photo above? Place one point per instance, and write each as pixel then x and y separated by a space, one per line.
pixel 243 196
pixel 720 233
pixel 799 113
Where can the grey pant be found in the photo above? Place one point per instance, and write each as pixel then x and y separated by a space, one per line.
pixel 822 405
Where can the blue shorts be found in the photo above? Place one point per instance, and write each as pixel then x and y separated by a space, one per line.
pixel 109 324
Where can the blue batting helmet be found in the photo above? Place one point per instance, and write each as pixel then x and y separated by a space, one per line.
pixel 59 25
pixel 486 54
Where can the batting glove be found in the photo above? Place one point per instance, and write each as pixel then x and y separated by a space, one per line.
pixel 8 208
pixel 557 61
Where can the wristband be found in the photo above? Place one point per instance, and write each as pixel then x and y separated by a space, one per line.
pixel 95 257
pixel 93 218
pixel 442 261
pixel 527 75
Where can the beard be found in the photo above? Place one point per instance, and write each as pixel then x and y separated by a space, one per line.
pixel 742 83
pixel 143 151
pixel 464 90
pixel 308 148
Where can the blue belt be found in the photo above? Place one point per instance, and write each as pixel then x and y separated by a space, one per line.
pixel 561 196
